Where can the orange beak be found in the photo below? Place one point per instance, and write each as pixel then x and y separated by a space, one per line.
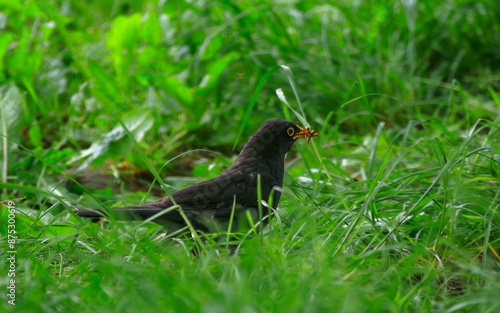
pixel 305 133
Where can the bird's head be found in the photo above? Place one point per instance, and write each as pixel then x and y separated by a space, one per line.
pixel 277 136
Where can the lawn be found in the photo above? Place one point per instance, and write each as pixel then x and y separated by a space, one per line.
pixel 392 208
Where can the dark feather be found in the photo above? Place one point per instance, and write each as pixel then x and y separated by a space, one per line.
pixel 211 202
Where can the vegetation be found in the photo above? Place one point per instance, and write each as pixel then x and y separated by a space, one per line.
pixel 393 208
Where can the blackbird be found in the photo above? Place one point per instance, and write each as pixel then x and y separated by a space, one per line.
pixel 209 205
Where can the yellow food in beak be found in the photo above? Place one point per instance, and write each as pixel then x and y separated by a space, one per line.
pixel 305 133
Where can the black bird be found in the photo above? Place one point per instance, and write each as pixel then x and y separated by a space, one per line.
pixel 208 205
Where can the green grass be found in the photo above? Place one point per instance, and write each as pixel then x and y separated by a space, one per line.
pixel 393 208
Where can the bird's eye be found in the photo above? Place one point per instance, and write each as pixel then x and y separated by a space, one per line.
pixel 290 131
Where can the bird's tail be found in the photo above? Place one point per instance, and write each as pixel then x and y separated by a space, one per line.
pixel 122 213
pixel 90 213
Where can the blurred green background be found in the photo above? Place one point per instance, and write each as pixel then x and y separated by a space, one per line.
pixel 185 71
pixel 392 208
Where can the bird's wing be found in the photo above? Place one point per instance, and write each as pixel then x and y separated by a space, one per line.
pixel 215 193
pixel 214 198
pixel 212 195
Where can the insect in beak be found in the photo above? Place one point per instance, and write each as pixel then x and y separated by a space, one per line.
pixel 305 133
